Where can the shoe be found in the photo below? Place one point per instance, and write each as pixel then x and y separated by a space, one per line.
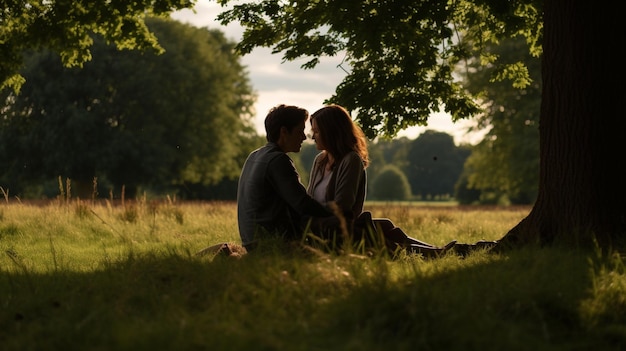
pixel 465 249
pixel 485 245
pixel 449 246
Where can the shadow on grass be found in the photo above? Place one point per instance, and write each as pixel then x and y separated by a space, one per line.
pixel 532 299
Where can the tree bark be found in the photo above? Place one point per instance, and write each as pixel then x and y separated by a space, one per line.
pixel 581 199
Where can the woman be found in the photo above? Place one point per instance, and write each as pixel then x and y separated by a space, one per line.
pixel 338 175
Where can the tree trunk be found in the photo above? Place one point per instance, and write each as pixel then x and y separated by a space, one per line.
pixel 581 197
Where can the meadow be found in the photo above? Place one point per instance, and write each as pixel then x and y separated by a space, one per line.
pixel 81 275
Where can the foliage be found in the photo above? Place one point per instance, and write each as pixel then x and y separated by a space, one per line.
pixel 384 151
pixel 390 184
pixel 78 274
pixel 435 164
pixel 130 118
pixel 462 192
pixel 506 161
pixel 68 27
pixel 401 72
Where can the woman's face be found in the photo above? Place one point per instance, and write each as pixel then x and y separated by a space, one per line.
pixel 316 136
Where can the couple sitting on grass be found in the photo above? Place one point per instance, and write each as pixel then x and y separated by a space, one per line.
pixel 272 202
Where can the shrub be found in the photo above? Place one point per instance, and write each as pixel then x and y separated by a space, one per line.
pixel 391 184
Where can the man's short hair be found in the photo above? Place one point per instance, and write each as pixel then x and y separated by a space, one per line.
pixel 287 116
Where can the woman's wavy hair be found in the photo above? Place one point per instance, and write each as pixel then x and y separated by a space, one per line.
pixel 339 133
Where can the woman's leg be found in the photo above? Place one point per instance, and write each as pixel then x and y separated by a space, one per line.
pixel 396 234
pixel 384 224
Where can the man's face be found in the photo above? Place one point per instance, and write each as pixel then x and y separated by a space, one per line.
pixel 292 141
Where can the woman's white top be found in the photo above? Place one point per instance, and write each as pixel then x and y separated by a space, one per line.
pixel 319 189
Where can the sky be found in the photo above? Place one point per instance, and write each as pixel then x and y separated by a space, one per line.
pixel 277 82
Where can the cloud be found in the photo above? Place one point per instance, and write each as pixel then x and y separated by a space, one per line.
pixel 277 82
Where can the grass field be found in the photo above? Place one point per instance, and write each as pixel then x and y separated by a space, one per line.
pixel 84 276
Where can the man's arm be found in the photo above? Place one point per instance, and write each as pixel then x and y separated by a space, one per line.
pixel 286 181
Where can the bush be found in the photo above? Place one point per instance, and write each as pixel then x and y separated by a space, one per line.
pixel 391 184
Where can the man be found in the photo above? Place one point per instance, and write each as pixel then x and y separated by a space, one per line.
pixel 270 197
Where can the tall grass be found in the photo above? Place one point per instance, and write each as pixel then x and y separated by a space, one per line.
pixel 98 276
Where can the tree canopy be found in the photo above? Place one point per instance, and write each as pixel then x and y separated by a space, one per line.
pixel 400 56
pixel 434 165
pixel 67 27
pixel 506 162
pixel 132 118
